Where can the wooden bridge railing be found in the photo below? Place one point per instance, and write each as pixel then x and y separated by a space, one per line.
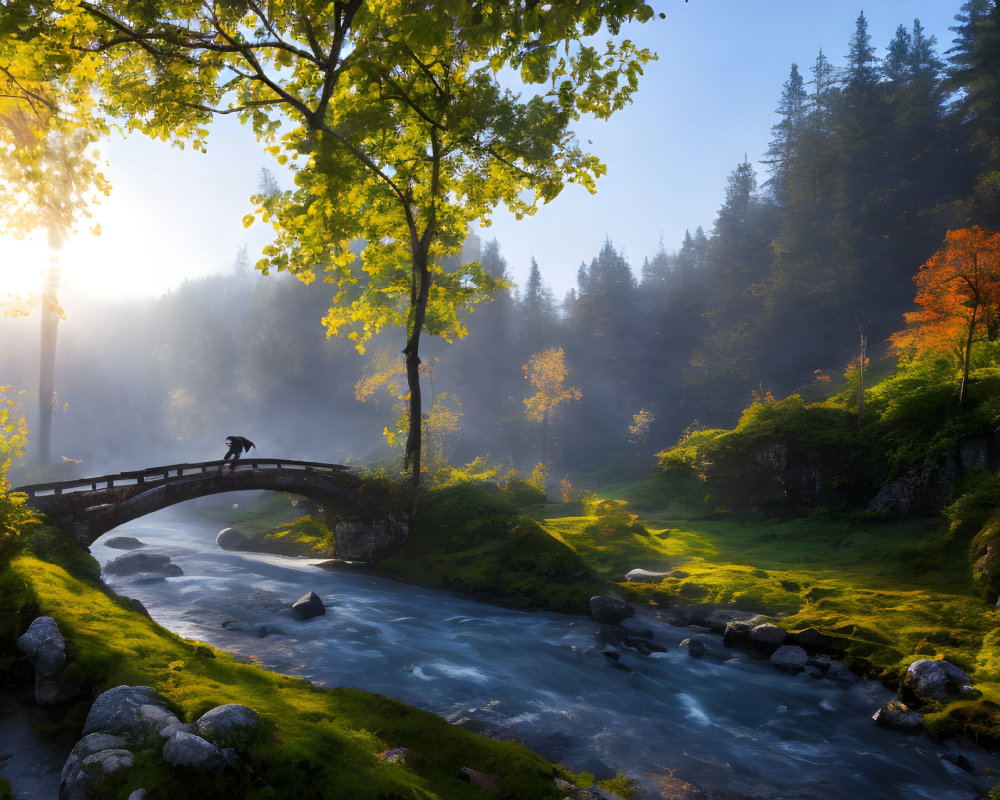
pixel 157 474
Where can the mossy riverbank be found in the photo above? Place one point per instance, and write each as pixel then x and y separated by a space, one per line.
pixel 313 742
pixel 887 592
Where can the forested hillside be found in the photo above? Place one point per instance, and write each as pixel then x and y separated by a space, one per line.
pixel 873 159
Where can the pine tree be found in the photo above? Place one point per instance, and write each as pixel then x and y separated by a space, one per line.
pixel 975 72
pixel 792 111
pixel 862 63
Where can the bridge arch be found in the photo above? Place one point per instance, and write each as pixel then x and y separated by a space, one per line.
pixel 366 528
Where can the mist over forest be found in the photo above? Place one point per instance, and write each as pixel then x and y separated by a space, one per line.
pixel 872 160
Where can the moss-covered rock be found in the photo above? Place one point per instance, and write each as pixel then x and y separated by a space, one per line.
pixel 984 555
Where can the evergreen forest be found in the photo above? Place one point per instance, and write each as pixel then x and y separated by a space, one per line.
pixel 806 272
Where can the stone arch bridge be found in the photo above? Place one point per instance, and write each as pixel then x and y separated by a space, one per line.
pixel 367 528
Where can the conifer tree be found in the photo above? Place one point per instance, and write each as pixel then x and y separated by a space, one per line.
pixel 792 110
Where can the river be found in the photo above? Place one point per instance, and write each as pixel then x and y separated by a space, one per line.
pixel 730 724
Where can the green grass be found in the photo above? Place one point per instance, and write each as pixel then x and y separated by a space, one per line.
pixel 314 742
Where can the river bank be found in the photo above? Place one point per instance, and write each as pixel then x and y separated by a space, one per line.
pixel 728 723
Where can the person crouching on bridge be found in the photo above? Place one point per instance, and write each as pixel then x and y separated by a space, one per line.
pixel 237 445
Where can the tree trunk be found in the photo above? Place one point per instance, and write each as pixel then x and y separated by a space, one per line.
pixel 967 356
pixel 411 458
pixel 47 352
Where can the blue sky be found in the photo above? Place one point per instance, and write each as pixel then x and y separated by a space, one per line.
pixel 708 101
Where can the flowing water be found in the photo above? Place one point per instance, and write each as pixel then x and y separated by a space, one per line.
pixel 729 724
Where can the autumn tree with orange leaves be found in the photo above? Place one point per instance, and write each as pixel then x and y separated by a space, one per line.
pixel 958 295
pixel 547 372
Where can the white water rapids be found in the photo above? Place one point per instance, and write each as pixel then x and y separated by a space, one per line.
pixel 729 724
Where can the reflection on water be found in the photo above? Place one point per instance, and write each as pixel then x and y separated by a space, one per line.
pixel 727 723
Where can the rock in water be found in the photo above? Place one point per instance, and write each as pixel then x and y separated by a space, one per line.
pixel 308 606
pixel 790 657
pixel 232 539
pixel 124 543
pixel 898 717
pixel 610 610
pixel 138 562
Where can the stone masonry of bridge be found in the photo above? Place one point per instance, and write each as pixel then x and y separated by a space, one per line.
pixel 366 530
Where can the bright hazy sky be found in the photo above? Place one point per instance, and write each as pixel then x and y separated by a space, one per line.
pixel 708 101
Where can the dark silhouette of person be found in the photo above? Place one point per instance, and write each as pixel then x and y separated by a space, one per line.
pixel 237 445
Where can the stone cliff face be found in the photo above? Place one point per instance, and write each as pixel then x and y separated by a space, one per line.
pixel 924 488
pixel 780 475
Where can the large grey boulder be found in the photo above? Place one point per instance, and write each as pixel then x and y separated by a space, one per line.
pixel 610 610
pixel 191 751
pixel 308 606
pixel 937 680
pixel 135 712
pixel 140 561
pixel 44 646
pixel 90 762
pixel 228 725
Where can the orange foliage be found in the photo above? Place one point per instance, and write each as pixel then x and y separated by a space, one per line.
pixel 547 372
pixel 958 295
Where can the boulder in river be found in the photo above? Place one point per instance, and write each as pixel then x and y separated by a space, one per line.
pixel 790 657
pixel 897 716
pixel 124 543
pixel 308 606
pixel 695 647
pixel 610 610
pixel 232 539
pixel 138 562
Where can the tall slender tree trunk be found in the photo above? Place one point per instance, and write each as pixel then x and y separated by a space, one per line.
pixel 967 355
pixel 50 315
pixel 411 459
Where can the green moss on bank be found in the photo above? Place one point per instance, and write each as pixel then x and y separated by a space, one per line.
pixel 473 538
pixel 888 593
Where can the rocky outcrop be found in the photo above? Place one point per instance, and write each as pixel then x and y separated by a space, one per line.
pixel 128 719
pixel 44 646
